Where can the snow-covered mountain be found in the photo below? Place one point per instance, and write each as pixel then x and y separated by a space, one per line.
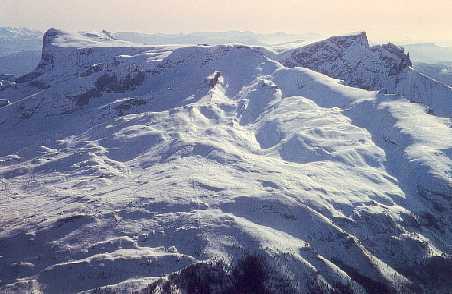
pixel 20 48
pixel 383 67
pixel 123 164
pixel 218 38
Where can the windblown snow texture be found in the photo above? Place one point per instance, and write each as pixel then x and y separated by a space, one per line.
pixel 123 164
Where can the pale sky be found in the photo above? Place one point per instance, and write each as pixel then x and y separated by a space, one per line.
pixel 396 20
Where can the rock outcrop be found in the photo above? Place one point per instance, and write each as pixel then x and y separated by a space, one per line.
pixel 385 68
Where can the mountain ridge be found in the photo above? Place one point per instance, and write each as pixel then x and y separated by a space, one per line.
pixel 382 67
pixel 137 162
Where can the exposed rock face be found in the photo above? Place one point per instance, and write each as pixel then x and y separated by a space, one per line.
pixel 5 84
pixel 351 59
pixel 65 53
pixel 384 68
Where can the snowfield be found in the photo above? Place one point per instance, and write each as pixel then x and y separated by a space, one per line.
pixel 123 164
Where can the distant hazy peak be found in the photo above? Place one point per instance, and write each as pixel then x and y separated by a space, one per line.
pixel 13 32
pixel 58 38
pixel 216 38
pixel 429 52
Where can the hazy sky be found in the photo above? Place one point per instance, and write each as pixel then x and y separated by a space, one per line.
pixel 407 20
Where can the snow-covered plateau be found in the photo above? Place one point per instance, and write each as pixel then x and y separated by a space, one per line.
pixel 136 168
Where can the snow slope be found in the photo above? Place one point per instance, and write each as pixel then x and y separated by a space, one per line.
pixel 122 164
pixel 439 71
pixel 383 67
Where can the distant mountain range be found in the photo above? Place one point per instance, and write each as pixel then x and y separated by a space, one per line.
pixel 216 38
pixel 429 53
pixel 20 50
pixel 13 40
